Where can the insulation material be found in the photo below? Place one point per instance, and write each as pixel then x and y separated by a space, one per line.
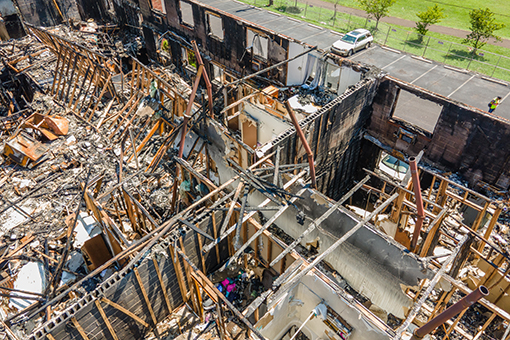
pixel 31 278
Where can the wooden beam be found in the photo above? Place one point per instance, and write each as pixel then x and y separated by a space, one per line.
pixel 125 311
pixel 178 273
pixel 163 286
pixel 191 289
pixel 226 221
pixel 100 97
pixel 491 226
pixel 105 319
pixel 435 225
pixel 79 328
pixel 145 296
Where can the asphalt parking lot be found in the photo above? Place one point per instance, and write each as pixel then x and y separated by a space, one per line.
pixel 468 88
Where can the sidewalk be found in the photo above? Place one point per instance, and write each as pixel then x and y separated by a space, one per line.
pixel 402 22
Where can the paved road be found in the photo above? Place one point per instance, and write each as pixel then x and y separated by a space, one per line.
pixel 468 88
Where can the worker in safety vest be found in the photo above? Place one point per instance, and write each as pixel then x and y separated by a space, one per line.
pixel 494 104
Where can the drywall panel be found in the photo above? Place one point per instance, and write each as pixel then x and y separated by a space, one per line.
pixel 348 78
pixel 269 126
pixel 296 68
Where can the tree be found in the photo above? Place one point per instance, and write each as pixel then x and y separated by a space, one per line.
pixel 431 16
pixel 377 8
pixel 483 26
pixel 334 14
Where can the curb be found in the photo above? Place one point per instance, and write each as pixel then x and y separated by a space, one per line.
pixel 460 70
pixel 315 26
pixel 296 20
pixel 422 59
pixel 391 49
pixel 497 81
pixel 275 14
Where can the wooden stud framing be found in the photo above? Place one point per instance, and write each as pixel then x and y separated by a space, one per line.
pixel 163 286
pixel 178 273
pixel 105 319
pixel 125 311
pixel 193 293
pixel 145 296
pixel 215 231
pixel 79 328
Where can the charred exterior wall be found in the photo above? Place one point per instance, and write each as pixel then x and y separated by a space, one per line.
pixel 14 27
pixel 335 134
pixel 464 139
pixel 46 13
pixel 231 51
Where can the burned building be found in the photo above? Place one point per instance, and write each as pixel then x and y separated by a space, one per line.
pixel 171 170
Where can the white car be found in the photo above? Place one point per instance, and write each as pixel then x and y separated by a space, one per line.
pixel 352 42
pixel 393 166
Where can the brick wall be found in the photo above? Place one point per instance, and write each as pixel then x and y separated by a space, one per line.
pixel 465 139
pixel 334 134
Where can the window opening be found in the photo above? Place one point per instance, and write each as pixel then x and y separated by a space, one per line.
pixel 215 26
pixel 217 73
pixel 158 5
pixel 258 43
pixel 187 13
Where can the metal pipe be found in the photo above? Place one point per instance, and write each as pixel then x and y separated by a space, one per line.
pixel 451 312
pixel 419 201
pixel 303 140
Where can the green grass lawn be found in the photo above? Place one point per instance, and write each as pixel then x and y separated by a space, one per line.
pixel 457 11
pixel 439 47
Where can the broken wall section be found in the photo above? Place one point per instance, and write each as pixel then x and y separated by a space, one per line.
pixel 464 139
pixel 290 309
pixel 124 289
pixel 334 134
pixel 48 13
pixel 229 42
pixel 370 262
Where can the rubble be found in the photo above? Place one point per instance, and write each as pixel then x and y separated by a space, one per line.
pixel 137 204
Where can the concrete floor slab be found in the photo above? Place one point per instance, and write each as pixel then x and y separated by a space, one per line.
pixel 326 40
pixel 228 6
pixel 479 92
pixel 285 24
pixel 308 32
pixel 257 16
